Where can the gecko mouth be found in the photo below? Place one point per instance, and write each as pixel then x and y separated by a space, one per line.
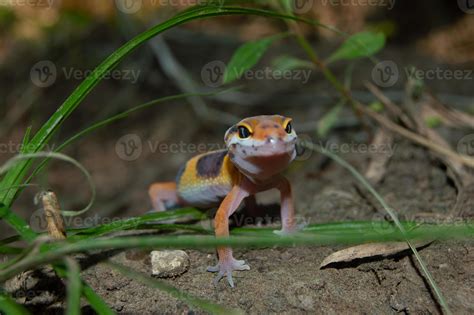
pixel 275 149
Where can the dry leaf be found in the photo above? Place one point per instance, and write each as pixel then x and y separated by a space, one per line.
pixel 366 251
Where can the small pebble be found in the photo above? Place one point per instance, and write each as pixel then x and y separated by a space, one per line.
pixel 169 263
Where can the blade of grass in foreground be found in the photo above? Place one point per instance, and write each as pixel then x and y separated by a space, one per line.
pixel 180 295
pixel 130 223
pixel 74 287
pixel 9 307
pixel 56 251
pixel 92 297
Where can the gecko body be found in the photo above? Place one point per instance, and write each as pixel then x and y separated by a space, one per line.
pixel 258 150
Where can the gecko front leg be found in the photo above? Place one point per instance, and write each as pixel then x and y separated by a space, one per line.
pixel 227 263
pixel 288 220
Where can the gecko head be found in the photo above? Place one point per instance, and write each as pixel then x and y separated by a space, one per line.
pixel 262 146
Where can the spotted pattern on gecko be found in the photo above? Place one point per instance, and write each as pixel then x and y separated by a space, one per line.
pixel 258 150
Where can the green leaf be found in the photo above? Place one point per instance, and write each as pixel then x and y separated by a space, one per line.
pixel 8 306
pixel 326 123
pixel 364 44
pixel 96 302
pixel 285 63
pixel 376 106
pixel 74 287
pixel 247 56
pixel 433 122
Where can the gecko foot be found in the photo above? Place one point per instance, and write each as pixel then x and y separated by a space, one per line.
pixel 226 267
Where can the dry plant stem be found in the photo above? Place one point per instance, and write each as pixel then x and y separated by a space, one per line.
pixel 52 211
pixel 392 107
pixel 378 163
pixel 416 138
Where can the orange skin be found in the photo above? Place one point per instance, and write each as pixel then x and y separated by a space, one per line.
pixel 258 150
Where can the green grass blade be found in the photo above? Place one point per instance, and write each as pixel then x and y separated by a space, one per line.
pixel 131 223
pixel 8 250
pixel 96 301
pixel 326 123
pixel 92 297
pixel 180 295
pixel 57 251
pixel 17 223
pixel 74 287
pixel 9 307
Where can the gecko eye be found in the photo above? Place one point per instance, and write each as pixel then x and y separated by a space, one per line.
pixel 288 128
pixel 244 132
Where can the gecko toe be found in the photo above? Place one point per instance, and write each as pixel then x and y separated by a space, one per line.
pixel 229 279
pixel 213 268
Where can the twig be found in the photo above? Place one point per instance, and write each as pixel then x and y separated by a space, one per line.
pixel 392 107
pixel 415 137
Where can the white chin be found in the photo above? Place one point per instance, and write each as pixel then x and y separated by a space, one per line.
pixel 264 165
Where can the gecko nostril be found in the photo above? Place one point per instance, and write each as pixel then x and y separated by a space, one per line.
pixel 270 140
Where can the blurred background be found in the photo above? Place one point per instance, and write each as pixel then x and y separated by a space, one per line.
pixel 48 47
